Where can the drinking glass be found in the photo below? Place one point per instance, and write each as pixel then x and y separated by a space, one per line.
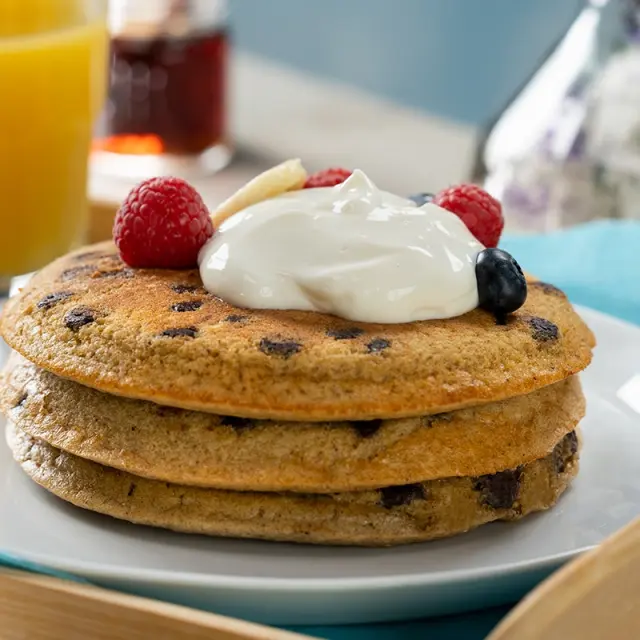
pixel 53 65
pixel 166 104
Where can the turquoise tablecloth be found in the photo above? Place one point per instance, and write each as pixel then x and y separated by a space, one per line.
pixel 597 265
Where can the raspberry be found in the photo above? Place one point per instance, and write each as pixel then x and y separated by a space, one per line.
pixel 162 223
pixel 481 212
pixel 327 178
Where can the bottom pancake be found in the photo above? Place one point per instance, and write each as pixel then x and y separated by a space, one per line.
pixel 388 516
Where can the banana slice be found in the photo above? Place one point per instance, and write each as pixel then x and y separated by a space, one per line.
pixel 284 177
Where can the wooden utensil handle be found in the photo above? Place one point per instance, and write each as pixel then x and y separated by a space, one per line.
pixel 42 608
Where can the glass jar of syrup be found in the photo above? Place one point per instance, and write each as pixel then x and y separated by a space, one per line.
pixel 166 108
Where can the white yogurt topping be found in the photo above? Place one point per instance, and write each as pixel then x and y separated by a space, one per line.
pixel 351 250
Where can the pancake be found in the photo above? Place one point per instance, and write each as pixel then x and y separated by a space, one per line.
pixel 194 448
pixel 157 335
pixel 393 515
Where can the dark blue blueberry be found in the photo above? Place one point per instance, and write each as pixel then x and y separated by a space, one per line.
pixel 421 198
pixel 502 287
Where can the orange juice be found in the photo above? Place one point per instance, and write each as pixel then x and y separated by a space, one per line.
pixel 53 77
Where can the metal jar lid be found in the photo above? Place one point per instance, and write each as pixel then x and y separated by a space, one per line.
pixel 173 18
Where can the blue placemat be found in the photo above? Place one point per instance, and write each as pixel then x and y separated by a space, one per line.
pixel 597 265
pixel 9 561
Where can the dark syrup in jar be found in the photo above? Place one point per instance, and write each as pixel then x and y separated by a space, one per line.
pixel 167 94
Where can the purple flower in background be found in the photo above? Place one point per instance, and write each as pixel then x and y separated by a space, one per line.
pixel 527 201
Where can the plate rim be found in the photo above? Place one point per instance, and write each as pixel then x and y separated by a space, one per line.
pixel 91 571
pixel 159 577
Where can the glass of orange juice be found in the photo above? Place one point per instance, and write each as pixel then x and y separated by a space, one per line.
pixel 53 67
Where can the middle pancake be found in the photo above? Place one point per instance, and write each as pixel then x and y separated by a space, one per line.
pixel 200 449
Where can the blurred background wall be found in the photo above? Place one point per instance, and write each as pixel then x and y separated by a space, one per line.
pixel 407 90
pixel 459 59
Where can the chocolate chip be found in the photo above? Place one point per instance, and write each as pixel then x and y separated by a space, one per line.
pixel 115 273
pixel 397 496
pixel 548 289
pixel 185 288
pixel 237 424
pixel 233 318
pixel 188 305
pixel 78 317
pixel 350 333
pixel 571 441
pixel 74 272
pixel 180 332
pixel 53 298
pixel 21 400
pixel 283 348
pixel 543 330
pixel 366 428
pixel 499 490
pixel 132 488
pixel 378 345
pixel 559 458
pixel 565 449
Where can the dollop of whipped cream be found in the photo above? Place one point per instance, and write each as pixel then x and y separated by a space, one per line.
pixel 352 250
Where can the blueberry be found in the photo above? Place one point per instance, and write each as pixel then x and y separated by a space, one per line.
pixel 502 287
pixel 421 198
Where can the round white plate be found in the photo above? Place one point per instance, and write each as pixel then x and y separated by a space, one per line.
pixel 291 584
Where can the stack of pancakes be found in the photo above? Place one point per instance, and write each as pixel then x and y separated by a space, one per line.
pixel 139 395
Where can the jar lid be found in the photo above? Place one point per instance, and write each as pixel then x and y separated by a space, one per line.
pixel 173 18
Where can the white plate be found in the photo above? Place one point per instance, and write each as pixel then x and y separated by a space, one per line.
pixel 290 584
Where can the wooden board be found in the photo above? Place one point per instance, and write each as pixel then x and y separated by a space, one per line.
pixel 596 597
pixel 43 608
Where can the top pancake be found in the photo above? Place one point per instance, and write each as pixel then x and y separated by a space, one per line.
pixel 158 335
